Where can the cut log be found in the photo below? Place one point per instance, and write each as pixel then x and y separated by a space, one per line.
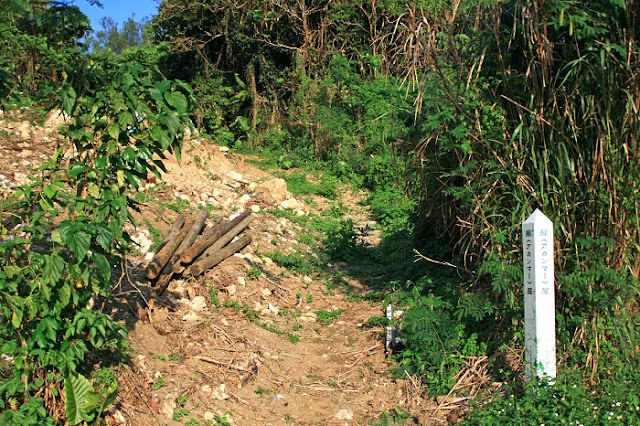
pixel 189 238
pixel 173 231
pixel 211 237
pixel 199 246
pixel 223 240
pixel 193 232
pixel 209 262
pixel 163 256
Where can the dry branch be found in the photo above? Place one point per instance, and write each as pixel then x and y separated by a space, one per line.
pixel 193 233
pixel 209 262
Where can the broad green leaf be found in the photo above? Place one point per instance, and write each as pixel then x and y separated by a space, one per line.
pixel 82 322
pixel 177 100
pixel 45 290
pixel 65 227
pixel 102 265
pixel 79 243
pixel 69 97
pixel 101 329
pixel 51 325
pixel 94 190
pixel 101 163
pixel 156 133
pixel 65 294
pixel 50 191
pixel 177 151
pixel 165 140
pixel 173 122
pixel 40 340
pixel 126 119
pixel 112 146
pixel 11 270
pixel 141 168
pixel 100 402
pixel 156 95
pixel 53 269
pixel 16 318
pixel 133 179
pixel 127 80
pixel 76 169
pixel 55 237
pixel 114 131
pixel 144 153
pixel 76 388
pixel 163 85
pixel 120 175
pixel 104 236
pixel 183 86
pixel 98 342
pixel 129 154
pixel 45 204
pixel 86 276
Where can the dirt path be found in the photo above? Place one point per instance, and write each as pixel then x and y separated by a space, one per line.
pixel 250 342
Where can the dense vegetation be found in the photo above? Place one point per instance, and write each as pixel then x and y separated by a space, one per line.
pixel 460 117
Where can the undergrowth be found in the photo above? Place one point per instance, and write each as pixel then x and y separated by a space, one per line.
pixel 568 401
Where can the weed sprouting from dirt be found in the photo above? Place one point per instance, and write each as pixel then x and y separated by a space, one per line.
pixel 326 317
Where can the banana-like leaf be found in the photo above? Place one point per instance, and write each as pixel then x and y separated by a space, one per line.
pixel 76 389
pixel 97 402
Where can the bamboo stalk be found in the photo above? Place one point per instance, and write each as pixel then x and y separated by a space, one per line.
pixel 209 262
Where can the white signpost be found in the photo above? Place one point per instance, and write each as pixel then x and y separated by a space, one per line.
pixel 539 297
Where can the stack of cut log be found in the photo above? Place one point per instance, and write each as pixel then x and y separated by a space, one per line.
pixel 187 251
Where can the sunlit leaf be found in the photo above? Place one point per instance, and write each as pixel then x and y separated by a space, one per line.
pixel 114 131
pixel 177 100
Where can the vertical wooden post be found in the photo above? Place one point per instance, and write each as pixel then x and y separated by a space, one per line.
pixel 539 297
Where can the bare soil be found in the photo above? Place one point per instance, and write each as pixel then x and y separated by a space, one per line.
pixel 243 344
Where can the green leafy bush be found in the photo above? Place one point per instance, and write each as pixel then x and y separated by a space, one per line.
pixel 70 231
pixel 434 343
pixel 340 241
pixel 392 208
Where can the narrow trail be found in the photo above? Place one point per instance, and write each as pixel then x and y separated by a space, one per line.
pixel 253 342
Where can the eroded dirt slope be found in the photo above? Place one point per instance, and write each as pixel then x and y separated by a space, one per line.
pixel 250 342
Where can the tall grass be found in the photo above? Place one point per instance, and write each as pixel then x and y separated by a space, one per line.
pixel 535 104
